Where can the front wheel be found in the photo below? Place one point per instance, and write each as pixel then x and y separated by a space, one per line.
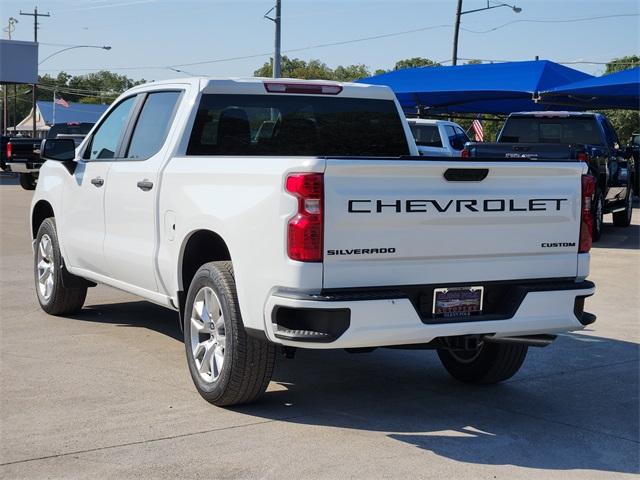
pixel 227 366
pixel 54 297
pixel 623 217
pixel 490 363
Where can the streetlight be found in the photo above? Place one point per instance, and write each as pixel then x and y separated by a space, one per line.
pixel 71 48
pixel 105 47
pixel 459 13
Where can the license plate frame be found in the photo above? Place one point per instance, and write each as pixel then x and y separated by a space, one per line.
pixel 458 301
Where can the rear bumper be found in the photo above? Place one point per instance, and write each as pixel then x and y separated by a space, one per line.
pixel 374 318
pixel 23 167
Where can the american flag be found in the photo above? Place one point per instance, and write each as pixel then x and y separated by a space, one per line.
pixel 478 130
pixel 61 101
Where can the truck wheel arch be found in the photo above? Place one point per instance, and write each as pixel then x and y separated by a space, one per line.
pixel 198 248
pixel 41 211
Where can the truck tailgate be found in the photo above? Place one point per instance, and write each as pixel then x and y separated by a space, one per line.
pixel 401 222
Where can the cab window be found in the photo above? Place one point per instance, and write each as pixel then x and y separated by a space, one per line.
pixel 105 140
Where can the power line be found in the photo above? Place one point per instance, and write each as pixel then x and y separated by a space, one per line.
pixel 266 54
pixel 73 89
pixel 351 41
pixel 570 20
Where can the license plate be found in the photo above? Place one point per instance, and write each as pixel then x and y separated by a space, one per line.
pixel 457 301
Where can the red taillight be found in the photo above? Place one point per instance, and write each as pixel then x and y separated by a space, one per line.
pixel 9 150
pixel 465 153
pixel 586 220
pixel 305 229
pixel 308 88
pixel 583 157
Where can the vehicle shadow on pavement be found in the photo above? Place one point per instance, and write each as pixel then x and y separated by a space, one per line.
pixel 138 314
pixel 9 179
pixel 620 237
pixel 573 406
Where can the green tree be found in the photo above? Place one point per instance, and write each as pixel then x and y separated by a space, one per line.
pixel 314 69
pixel 349 73
pixel 408 63
pixel 626 122
pixel 415 62
pixel 297 68
pixel 99 87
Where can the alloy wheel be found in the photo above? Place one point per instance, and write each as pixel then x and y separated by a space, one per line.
pixel 45 267
pixel 208 334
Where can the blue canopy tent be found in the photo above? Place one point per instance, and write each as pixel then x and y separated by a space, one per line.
pixel 616 90
pixel 498 88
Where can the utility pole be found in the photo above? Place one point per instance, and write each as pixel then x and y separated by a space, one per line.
pixel 35 16
pixel 456 31
pixel 11 26
pixel 276 55
pixel 276 70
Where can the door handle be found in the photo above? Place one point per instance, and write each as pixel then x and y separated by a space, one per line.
pixel 98 182
pixel 145 185
pixel 466 174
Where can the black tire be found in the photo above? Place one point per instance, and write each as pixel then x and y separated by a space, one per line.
pixel 28 181
pixel 248 361
pixel 61 300
pixel 623 218
pixel 598 215
pixel 492 363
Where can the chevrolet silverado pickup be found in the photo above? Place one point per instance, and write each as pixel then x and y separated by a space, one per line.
pixel 297 214
pixel 587 137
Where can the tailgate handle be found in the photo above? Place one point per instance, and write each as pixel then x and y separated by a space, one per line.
pixel 466 174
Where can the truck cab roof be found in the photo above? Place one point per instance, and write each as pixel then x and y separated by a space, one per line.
pixel 264 86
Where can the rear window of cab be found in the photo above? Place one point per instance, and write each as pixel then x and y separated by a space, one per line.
pixel 297 125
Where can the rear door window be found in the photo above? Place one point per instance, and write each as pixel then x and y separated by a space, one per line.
pixel 462 136
pixel 426 135
pixel 153 125
pixel 455 140
pixel 297 125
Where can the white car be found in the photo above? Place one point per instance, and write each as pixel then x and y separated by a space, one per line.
pixel 298 214
pixel 438 138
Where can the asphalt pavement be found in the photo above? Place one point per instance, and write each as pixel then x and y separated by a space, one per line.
pixel 106 394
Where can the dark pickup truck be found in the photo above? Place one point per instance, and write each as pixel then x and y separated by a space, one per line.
pixel 21 155
pixel 585 137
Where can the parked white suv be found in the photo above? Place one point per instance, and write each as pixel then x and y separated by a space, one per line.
pixel 297 213
pixel 438 138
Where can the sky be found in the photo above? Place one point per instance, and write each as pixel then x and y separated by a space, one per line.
pixel 147 36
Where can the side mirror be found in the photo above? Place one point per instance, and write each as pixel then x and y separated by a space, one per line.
pixel 59 149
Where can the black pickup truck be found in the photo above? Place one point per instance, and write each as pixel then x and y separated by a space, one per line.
pixel 586 137
pixel 21 155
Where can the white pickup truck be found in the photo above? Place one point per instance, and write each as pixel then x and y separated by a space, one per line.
pixel 438 138
pixel 297 213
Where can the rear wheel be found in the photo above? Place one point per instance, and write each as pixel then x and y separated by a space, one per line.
pixel 598 215
pixel 28 181
pixel 623 217
pixel 53 296
pixel 227 366
pixel 490 363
